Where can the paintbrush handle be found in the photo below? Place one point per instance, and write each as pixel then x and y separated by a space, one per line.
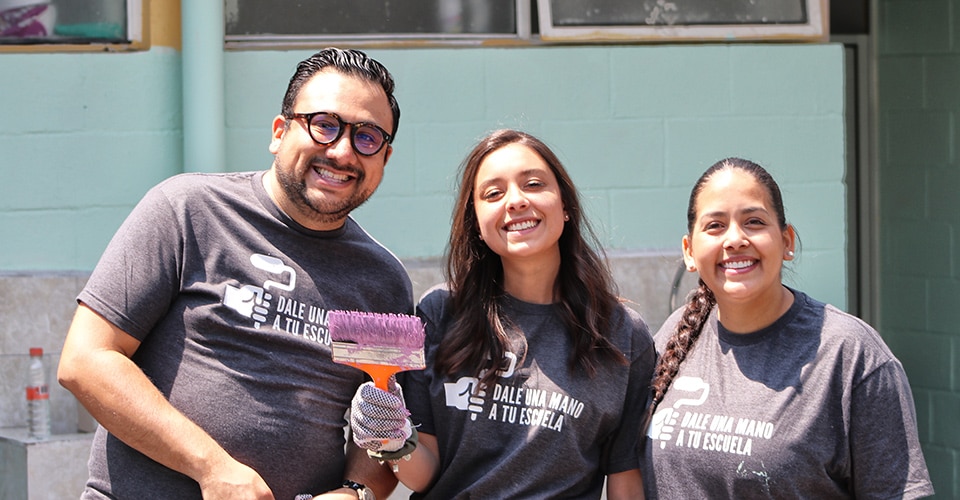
pixel 379 373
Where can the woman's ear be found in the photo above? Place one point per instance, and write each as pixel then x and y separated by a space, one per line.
pixel 789 242
pixel 688 254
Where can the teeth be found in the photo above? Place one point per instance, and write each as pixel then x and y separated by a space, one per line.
pixel 740 264
pixel 521 226
pixel 333 175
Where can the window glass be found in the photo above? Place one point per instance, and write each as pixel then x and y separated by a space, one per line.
pixel 690 20
pixel 63 21
pixel 320 18
pixel 675 12
pixel 252 23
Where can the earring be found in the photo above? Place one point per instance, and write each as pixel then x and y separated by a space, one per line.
pixel 566 217
pixel 790 253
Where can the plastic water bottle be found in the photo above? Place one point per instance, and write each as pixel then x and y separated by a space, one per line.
pixel 38 396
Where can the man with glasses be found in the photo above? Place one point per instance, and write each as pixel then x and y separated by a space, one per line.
pixel 200 340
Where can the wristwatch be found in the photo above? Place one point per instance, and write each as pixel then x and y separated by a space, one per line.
pixel 363 492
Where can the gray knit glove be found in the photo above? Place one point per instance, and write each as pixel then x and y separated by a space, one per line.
pixel 379 420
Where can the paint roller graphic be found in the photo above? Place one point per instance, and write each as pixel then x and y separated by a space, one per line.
pixel 664 421
pixel 254 301
pixel 274 265
pixel 466 394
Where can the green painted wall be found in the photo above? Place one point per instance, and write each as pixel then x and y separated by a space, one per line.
pixel 634 125
pixel 919 73
pixel 82 136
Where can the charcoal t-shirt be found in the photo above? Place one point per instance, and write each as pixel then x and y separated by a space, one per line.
pixel 229 298
pixel 813 406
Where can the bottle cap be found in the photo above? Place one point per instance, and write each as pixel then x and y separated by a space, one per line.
pixel 36 351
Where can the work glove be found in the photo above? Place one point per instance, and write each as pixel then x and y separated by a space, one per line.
pixel 379 420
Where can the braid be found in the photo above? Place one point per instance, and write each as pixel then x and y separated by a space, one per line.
pixel 688 331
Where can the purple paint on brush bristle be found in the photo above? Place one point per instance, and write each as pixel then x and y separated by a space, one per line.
pixel 374 328
pixel 379 344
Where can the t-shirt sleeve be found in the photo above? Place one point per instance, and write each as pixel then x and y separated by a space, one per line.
pixel 886 457
pixel 622 454
pixel 138 274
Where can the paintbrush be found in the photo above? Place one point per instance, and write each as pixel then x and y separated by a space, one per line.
pixel 379 344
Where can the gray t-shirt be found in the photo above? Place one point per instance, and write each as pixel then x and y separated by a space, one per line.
pixel 813 406
pixel 543 430
pixel 229 298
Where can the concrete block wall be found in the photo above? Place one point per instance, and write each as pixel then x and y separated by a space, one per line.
pixel 36 309
pixel 54 469
pixel 645 281
pixel 919 75
pixel 84 135
pixel 634 125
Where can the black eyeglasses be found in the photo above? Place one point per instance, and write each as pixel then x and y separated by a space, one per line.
pixel 325 128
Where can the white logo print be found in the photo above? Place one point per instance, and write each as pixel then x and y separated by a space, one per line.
pixel 461 396
pixel 465 393
pixel 665 420
pixel 254 301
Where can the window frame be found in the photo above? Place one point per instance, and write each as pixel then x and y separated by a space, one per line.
pixel 816 29
pixel 135 28
pixel 523 13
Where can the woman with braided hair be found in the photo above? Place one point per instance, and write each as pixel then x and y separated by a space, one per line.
pixel 760 390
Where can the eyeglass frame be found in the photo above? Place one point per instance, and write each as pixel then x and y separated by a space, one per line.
pixel 308 117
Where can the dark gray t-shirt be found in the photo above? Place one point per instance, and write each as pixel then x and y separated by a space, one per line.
pixel 543 430
pixel 813 406
pixel 229 299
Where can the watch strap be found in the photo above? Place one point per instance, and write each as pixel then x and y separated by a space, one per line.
pixel 363 492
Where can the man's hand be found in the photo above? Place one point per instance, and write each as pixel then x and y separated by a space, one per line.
pixel 96 366
pixel 234 480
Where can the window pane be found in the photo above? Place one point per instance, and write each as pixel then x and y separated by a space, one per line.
pixel 675 12
pixel 63 21
pixel 369 17
pixel 694 20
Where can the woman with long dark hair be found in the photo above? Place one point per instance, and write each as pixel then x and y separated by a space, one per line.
pixel 537 375
pixel 760 390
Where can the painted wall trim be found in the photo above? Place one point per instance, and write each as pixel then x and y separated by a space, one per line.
pixel 164 23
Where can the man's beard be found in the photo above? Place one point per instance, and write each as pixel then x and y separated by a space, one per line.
pixel 320 211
